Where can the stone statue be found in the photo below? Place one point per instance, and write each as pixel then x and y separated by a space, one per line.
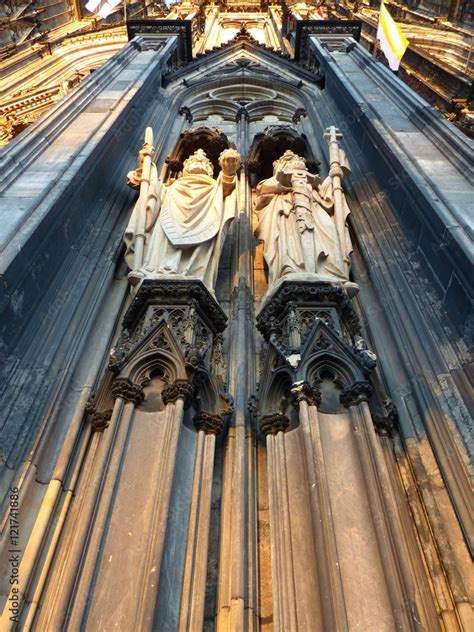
pixel 297 224
pixel 184 222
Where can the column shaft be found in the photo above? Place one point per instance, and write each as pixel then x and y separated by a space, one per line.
pixel 66 572
pixel 194 582
pixel 329 575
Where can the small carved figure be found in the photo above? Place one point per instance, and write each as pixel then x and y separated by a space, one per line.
pixel 185 221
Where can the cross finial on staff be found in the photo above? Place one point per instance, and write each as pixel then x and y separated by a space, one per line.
pixel 332 134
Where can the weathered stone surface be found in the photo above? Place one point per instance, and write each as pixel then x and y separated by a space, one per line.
pixel 286 527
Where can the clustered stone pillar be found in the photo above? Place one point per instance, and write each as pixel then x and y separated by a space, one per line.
pixel 306 399
pixel 193 594
pixel 175 396
pixel 100 470
pixel 284 599
pixel 408 602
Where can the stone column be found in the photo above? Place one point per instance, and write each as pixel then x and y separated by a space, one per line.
pixel 100 470
pixel 237 592
pixel 284 594
pixel 306 400
pixel 410 607
pixel 193 595
pixel 175 396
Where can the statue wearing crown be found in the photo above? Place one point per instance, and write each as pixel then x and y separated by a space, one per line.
pixel 178 230
pixel 299 223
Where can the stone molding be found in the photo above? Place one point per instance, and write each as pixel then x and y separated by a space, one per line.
pixel 210 423
pixel 126 389
pixel 303 391
pixel 274 423
pixel 178 389
pixel 357 393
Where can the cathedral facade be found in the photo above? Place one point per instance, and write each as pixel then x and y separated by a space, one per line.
pixel 236 316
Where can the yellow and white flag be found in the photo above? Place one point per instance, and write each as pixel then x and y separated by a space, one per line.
pixel 392 41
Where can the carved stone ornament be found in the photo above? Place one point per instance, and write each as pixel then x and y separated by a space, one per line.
pixel 186 112
pixel 298 115
pixel 90 407
pixel 210 423
pixel 355 394
pixel 367 359
pixel 306 293
pixel 303 391
pixel 99 421
pixel 252 406
pixel 123 387
pixel 385 424
pixel 226 404
pixel 272 424
pixel 161 292
pixel 179 389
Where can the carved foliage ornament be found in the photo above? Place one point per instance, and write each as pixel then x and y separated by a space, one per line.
pixel 123 387
pixel 357 393
pixel 303 391
pixel 274 423
pixel 100 420
pixel 180 389
pixel 385 424
pixel 208 422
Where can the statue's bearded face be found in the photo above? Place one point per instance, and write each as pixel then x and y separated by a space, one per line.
pixel 198 163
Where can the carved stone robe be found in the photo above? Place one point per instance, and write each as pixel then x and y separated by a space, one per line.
pixel 187 224
pixel 296 245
